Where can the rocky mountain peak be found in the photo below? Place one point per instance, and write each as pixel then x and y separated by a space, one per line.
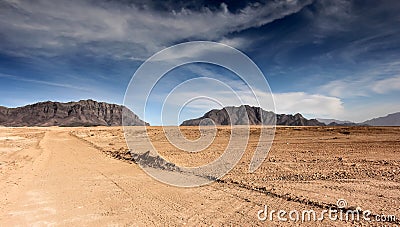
pixel 245 114
pixel 81 113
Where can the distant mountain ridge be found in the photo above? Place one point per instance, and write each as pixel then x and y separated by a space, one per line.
pixel 255 116
pixel 93 113
pixel 330 121
pixel 388 120
pixel 81 113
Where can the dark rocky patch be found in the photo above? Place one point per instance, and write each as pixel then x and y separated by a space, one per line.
pixel 157 162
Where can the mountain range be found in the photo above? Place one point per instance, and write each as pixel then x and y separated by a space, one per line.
pixel 334 121
pixel 93 113
pixel 81 113
pixel 256 116
pixel 389 120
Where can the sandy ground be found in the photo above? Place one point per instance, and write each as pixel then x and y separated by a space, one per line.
pixel 79 176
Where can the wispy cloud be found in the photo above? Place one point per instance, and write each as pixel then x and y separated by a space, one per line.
pixel 361 86
pixel 387 85
pixel 122 30
pixel 54 84
pixel 309 104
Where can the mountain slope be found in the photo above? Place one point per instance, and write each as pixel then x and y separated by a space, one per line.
pixel 334 122
pixel 389 120
pixel 329 121
pixel 296 120
pixel 82 113
pixel 245 114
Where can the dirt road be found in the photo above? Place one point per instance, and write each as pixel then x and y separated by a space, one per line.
pixel 51 177
pixel 69 182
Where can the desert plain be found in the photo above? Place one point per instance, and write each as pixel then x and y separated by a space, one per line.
pixel 84 176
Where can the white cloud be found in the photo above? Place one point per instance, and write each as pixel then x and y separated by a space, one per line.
pixel 54 26
pixel 386 85
pixel 361 111
pixel 364 86
pixel 309 104
pixel 346 88
pixel 363 94
pixel 236 42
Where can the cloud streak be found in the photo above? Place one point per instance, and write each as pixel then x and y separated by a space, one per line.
pixel 387 85
pixel 122 30
pixel 62 85
pixel 362 86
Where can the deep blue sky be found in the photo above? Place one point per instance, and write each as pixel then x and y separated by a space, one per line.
pixel 330 59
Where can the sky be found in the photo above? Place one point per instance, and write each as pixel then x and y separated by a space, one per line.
pixel 326 59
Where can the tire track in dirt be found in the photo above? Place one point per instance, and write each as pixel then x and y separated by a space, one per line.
pixel 304 201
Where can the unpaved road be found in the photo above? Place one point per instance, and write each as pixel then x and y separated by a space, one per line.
pixel 69 182
pixel 49 177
